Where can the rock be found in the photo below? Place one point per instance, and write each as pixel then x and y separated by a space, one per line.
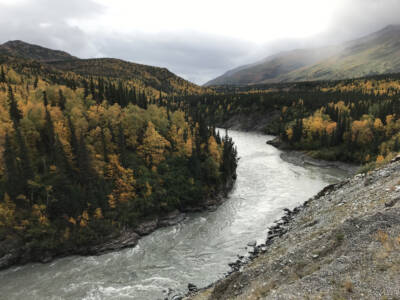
pixel 7 260
pixel 272 236
pixel 192 287
pixel 252 243
pixel 397 158
pixel 392 202
pixel 146 227
pixel 46 257
pixel 311 224
pixel 278 143
pixel 126 239
pixel 287 211
pixel 172 218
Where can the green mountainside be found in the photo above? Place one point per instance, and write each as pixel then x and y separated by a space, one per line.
pixel 377 53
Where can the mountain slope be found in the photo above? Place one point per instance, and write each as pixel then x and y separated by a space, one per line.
pixel 272 66
pixel 142 76
pixel 28 51
pixel 377 53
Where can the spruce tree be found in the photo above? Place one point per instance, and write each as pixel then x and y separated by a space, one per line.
pixel 2 75
pixel 61 100
pixel 25 161
pixel 13 176
pixel 35 83
pixel 15 113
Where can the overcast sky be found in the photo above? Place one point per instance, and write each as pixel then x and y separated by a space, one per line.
pixel 197 40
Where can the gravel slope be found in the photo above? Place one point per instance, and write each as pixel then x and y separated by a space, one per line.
pixel 342 244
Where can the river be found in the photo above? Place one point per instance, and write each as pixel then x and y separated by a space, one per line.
pixel 197 250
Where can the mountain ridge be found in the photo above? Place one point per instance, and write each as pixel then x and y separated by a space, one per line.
pixel 158 78
pixel 376 53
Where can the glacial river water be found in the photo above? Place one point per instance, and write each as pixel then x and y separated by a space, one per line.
pixel 197 250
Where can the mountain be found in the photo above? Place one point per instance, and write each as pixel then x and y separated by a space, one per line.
pixel 28 51
pixel 272 67
pixel 144 77
pixel 377 53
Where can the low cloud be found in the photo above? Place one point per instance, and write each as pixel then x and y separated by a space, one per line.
pixel 193 55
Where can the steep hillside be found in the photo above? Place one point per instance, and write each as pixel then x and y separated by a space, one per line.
pixel 377 53
pixel 143 77
pixel 342 244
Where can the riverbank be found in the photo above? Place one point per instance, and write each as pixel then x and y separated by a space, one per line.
pixel 301 159
pixel 12 254
pixel 253 122
pixel 341 244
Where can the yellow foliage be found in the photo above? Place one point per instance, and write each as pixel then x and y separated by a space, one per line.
pixel 361 132
pixel 153 147
pixel 111 201
pixel 148 190
pixel 7 211
pixel 123 181
pixel 378 125
pixel 289 133
pixel 83 223
pixel 214 149
pixel 85 215
pixel 98 214
pixel 67 234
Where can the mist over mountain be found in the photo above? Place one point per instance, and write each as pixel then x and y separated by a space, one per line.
pixel 377 53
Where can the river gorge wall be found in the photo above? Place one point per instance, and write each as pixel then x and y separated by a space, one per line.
pixel 344 243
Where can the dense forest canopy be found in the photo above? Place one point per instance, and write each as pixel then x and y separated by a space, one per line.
pixel 355 120
pixel 85 157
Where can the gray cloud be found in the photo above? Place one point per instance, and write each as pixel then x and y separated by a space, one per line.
pixel 45 22
pixel 192 55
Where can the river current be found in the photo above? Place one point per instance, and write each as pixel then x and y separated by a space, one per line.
pixel 197 250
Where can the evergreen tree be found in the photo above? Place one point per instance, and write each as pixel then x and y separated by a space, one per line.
pixel 48 136
pixel 61 100
pixel 2 75
pixel 25 161
pixel 15 113
pixel 36 82
pixel 13 186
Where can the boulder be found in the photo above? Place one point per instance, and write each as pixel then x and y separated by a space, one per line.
pixel 147 227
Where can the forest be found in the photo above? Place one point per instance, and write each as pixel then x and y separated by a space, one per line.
pixel 354 120
pixel 85 157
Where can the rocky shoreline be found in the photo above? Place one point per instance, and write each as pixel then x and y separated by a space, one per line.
pixel 15 254
pixel 341 244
